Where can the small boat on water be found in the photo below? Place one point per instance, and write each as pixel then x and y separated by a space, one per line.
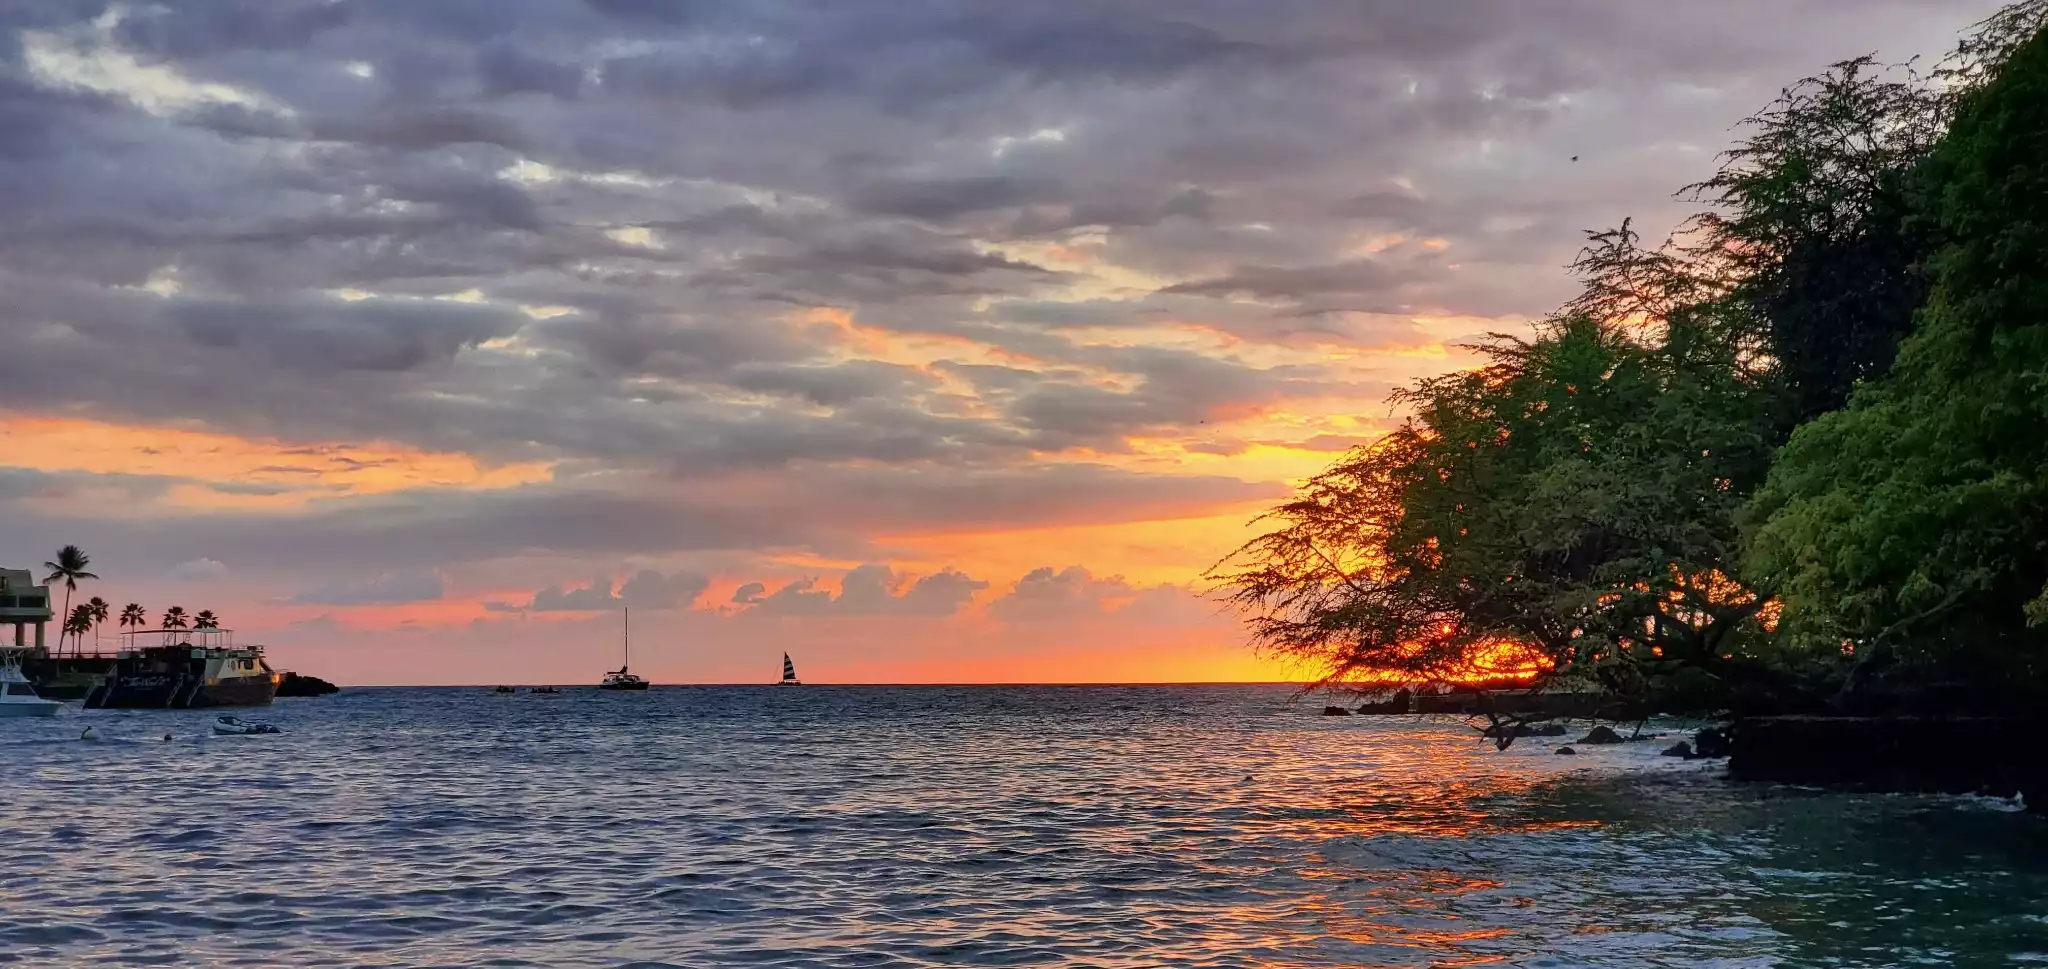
pixel 504 689
pixel 789 673
pixel 18 697
pixel 543 689
pixel 237 725
pixel 622 678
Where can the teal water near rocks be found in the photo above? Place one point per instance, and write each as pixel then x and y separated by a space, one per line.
pixel 933 826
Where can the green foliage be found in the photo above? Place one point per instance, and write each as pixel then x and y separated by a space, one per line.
pixel 1606 494
pixel 1575 497
pixel 78 621
pixel 1812 223
pixel 1913 525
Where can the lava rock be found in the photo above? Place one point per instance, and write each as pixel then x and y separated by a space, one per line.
pixel 295 685
pixel 1567 751
pixel 1711 743
pixel 1527 730
pixel 1336 712
pixel 1601 735
pixel 1403 701
pixel 1680 749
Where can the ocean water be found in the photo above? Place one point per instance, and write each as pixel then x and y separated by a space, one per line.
pixel 926 826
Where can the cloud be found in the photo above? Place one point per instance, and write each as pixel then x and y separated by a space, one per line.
pixel 596 596
pixel 652 589
pixel 802 280
pixel 646 589
pixel 418 585
pixel 1075 594
pixel 866 590
pixel 197 570
pixel 1045 594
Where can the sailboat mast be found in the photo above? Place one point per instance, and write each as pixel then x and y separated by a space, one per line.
pixel 629 639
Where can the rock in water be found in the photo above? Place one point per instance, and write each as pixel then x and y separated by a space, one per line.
pixel 295 685
pixel 1567 750
pixel 1403 701
pixel 1711 743
pixel 1601 735
pixel 1526 730
pixel 1336 712
pixel 1680 749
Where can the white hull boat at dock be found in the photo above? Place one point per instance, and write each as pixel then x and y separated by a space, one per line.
pixel 18 696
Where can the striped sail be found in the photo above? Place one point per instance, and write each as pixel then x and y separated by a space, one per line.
pixel 788 671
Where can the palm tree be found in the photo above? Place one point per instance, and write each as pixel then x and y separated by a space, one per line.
pixel 79 621
pixel 100 608
pixel 70 566
pixel 132 615
pixel 174 617
pixel 206 620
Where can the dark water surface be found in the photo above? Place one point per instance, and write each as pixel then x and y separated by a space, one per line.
pixel 924 826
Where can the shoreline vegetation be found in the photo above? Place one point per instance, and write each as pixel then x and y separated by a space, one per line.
pixel 1787 468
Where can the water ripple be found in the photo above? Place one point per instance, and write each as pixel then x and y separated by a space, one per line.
pixel 915 827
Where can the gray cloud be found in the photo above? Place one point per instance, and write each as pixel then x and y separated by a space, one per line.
pixel 646 589
pixel 830 511
pixel 333 334
pixel 866 590
pixel 419 585
pixel 660 217
pixel 1047 594
pixel 1074 594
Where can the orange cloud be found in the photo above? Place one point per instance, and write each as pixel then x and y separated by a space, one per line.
pixel 257 473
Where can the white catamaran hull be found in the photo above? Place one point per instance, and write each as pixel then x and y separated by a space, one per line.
pixel 29 708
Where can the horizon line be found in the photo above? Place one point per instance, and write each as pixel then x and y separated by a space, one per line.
pixel 453 686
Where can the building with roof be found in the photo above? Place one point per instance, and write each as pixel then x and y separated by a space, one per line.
pixel 23 602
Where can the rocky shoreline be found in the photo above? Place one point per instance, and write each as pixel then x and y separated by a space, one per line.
pixel 1994 756
pixel 1988 755
pixel 300 685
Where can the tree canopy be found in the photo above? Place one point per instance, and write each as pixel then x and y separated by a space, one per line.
pixel 1912 526
pixel 1795 446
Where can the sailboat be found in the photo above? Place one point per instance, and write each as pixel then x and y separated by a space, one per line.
pixel 788 673
pixel 621 678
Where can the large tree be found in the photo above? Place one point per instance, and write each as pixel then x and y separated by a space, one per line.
pixel 1570 502
pixel 1911 529
pixel 1813 227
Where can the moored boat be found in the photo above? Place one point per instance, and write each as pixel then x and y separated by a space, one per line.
pixel 237 726
pixel 622 678
pixel 18 697
pixel 188 668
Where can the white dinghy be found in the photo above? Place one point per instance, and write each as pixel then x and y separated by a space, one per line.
pixel 237 725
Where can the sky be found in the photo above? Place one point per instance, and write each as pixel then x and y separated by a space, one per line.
pixel 928 341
